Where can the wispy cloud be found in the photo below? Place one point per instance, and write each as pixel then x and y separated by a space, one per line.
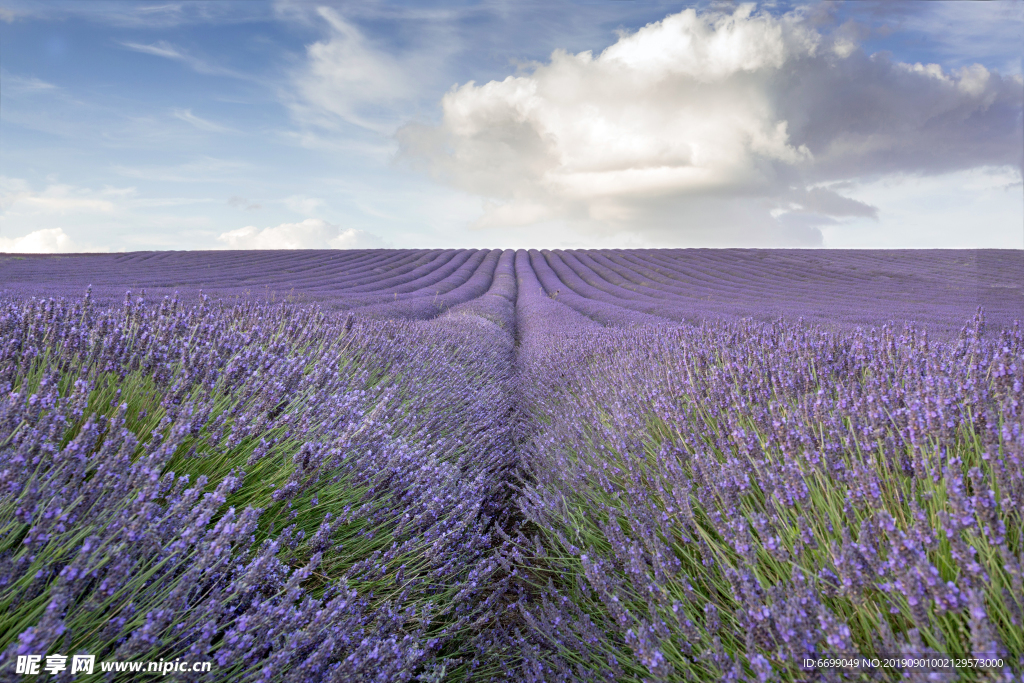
pixel 968 32
pixel 17 197
pixel 164 49
pixel 243 203
pixel 350 78
pixel 36 219
pixel 135 15
pixel 972 209
pixel 203 170
pixel 365 79
pixel 29 84
pixel 160 49
pixel 371 146
pixel 302 204
pixel 187 116
pixel 170 7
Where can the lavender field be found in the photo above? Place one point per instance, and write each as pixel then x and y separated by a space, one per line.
pixel 472 465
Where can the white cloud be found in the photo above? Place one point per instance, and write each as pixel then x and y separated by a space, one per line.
pixel 41 214
pixel 349 77
pixel 700 120
pixel 710 48
pixel 681 106
pixel 46 241
pixel 371 81
pixel 243 203
pixel 172 7
pixel 312 233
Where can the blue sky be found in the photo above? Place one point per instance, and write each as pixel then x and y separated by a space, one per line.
pixel 246 124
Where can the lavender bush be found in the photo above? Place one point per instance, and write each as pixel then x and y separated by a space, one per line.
pixel 292 495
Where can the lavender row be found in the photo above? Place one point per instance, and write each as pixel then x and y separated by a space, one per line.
pixel 497 305
pixel 725 502
pixel 288 493
pixel 541 319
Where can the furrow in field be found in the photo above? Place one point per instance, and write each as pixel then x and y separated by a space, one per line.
pixel 645 279
pixel 412 263
pixel 879 285
pixel 463 274
pixel 312 274
pixel 470 281
pixel 335 273
pixel 584 283
pixel 449 274
pixel 188 269
pixel 301 271
pixel 621 291
pixel 427 268
pixel 596 277
pixel 330 276
pixel 604 312
pixel 686 274
pixel 615 274
pixel 755 282
pixel 342 281
pixel 696 266
pixel 657 276
pixel 371 272
pixel 677 300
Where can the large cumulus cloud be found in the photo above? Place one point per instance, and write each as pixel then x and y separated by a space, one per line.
pixel 721 128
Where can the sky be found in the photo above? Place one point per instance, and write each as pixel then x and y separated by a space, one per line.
pixel 242 124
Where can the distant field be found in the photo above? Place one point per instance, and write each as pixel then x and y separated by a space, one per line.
pixel 837 288
pixel 472 465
